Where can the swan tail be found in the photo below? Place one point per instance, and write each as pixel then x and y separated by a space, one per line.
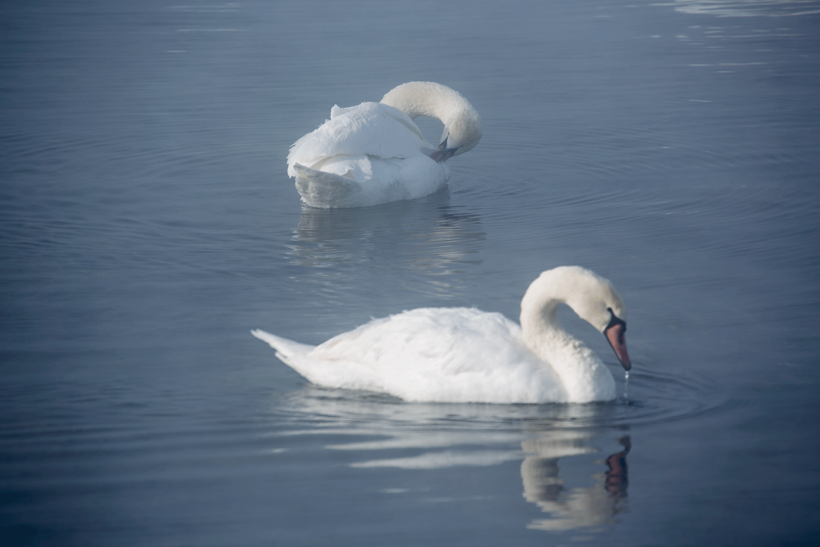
pixel 288 351
pixel 333 373
pixel 324 190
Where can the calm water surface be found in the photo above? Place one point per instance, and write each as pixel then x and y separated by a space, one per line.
pixel 147 224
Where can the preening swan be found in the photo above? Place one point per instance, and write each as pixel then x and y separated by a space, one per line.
pixel 466 355
pixel 375 153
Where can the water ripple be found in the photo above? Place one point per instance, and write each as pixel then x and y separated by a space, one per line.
pixel 654 397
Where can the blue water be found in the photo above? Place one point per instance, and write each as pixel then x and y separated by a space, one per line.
pixel 147 224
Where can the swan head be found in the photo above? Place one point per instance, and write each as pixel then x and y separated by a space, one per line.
pixel 591 296
pixel 461 135
pixel 462 123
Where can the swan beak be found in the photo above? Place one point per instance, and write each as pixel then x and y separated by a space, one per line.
pixel 443 153
pixel 615 336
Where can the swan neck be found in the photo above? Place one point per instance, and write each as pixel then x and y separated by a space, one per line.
pixel 540 326
pixel 428 99
pixel 582 374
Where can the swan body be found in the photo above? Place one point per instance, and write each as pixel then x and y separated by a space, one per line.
pixel 466 355
pixel 374 153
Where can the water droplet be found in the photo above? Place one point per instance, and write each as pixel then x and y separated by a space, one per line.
pixel 626 387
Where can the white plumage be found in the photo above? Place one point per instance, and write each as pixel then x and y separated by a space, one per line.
pixel 466 355
pixel 374 153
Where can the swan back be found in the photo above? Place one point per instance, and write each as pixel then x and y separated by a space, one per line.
pixel 462 123
pixel 441 354
pixel 349 133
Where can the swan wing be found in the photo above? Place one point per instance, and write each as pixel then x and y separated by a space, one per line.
pixel 437 354
pixel 371 129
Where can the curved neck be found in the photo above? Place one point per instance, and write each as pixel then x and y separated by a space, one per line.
pixel 540 326
pixel 581 371
pixel 428 99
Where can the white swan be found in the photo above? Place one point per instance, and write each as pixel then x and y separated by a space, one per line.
pixel 374 153
pixel 466 355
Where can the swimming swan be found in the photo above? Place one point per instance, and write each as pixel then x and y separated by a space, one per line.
pixel 466 355
pixel 374 153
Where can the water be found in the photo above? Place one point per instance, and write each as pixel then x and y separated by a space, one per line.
pixel 147 224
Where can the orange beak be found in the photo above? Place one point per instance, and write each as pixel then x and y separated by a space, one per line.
pixel 615 336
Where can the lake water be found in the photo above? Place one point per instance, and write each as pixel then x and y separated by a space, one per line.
pixel 147 224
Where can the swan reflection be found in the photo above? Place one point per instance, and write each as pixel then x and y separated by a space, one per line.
pixel 577 507
pixel 388 433
pixel 428 238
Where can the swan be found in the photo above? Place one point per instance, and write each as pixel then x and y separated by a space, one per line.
pixel 374 153
pixel 466 355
